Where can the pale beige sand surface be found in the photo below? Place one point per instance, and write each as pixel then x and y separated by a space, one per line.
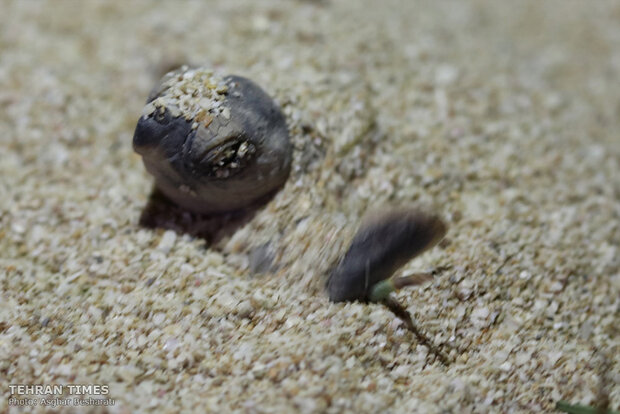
pixel 501 117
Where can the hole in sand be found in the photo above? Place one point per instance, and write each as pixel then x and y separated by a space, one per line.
pixel 160 212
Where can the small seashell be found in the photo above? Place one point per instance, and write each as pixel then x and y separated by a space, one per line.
pixel 385 242
pixel 214 144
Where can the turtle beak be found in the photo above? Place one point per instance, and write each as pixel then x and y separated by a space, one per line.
pixel 162 133
pixel 147 136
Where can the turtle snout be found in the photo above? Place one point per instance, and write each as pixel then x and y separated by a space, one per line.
pixel 161 133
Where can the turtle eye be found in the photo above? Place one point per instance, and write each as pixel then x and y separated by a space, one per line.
pixel 228 158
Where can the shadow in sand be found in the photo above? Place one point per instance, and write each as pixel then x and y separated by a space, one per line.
pixel 401 312
pixel 160 212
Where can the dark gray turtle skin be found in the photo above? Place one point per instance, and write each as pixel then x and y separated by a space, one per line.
pixel 384 243
pixel 224 165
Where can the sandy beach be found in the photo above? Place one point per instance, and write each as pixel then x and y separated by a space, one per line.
pixel 502 118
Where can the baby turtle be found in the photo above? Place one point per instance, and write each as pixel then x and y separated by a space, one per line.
pixel 214 144
pixel 384 243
